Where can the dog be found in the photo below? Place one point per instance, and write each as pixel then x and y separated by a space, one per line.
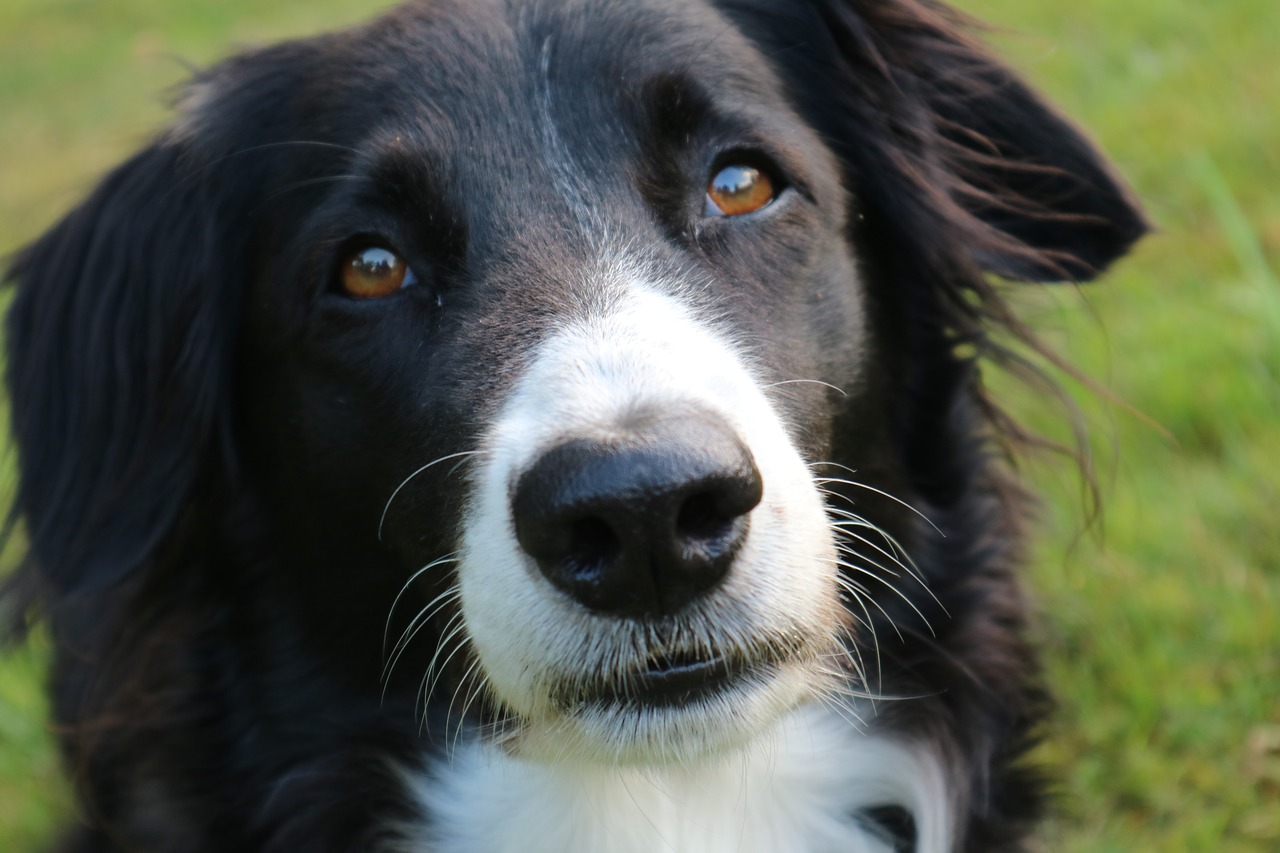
pixel 553 426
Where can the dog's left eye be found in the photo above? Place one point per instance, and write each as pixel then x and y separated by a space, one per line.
pixel 736 189
pixel 374 272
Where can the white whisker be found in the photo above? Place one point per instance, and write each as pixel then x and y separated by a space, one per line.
pixel 856 594
pixel 882 493
pixel 460 455
pixel 835 388
pixel 887 584
pixel 863 595
pixel 472 692
pixel 452 629
pixel 444 663
pixel 419 621
pixel 386 628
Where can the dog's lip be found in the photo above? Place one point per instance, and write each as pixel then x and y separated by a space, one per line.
pixel 674 680
pixel 677 676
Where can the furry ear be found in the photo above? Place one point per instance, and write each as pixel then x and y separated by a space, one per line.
pixel 118 345
pixel 1010 159
pixel 944 140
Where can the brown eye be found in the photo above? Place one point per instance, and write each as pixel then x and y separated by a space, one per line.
pixel 738 189
pixel 374 272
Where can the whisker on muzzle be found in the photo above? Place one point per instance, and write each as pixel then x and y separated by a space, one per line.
pixel 465 455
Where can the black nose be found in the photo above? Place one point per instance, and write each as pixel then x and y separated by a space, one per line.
pixel 643 522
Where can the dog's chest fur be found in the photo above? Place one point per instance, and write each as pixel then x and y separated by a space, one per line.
pixel 801 788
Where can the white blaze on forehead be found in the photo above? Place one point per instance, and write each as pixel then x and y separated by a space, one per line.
pixel 637 353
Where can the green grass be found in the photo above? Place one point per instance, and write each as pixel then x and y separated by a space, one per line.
pixel 1165 640
pixel 1163 630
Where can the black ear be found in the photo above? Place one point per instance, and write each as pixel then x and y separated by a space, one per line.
pixel 118 345
pixel 947 142
pixel 1022 168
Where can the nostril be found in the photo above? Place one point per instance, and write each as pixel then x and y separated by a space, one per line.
pixel 592 544
pixel 701 518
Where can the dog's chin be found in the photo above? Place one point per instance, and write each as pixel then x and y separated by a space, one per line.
pixel 674 712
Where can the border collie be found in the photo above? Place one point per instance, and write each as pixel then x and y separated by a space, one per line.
pixel 552 426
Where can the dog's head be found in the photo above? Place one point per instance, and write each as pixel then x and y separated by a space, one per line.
pixel 604 342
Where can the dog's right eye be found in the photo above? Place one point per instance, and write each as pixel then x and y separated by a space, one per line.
pixel 374 272
pixel 738 188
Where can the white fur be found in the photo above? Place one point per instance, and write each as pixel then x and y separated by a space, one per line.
pixel 635 350
pixel 796 789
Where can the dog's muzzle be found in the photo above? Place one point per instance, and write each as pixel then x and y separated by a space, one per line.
pixel 647 572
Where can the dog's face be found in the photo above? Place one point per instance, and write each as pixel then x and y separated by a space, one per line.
pixel 605 343
pixel 614 388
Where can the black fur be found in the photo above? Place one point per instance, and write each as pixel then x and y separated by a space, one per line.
pixel 207 433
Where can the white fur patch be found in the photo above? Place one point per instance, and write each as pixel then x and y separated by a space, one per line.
pixel 797 789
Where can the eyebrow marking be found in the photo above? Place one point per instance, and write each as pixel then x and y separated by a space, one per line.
pixel 559 160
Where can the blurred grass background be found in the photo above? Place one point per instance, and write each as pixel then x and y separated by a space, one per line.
pixel 1163 625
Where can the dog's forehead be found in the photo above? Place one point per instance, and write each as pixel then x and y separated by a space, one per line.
pixel 460 65
pixel 473 66
pixel 515 45
pixel 566 74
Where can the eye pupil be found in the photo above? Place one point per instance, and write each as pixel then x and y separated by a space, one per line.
pixel 738 189
pixel 373 272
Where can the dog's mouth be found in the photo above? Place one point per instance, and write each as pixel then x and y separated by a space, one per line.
pixel 676 678
pixel 667 680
